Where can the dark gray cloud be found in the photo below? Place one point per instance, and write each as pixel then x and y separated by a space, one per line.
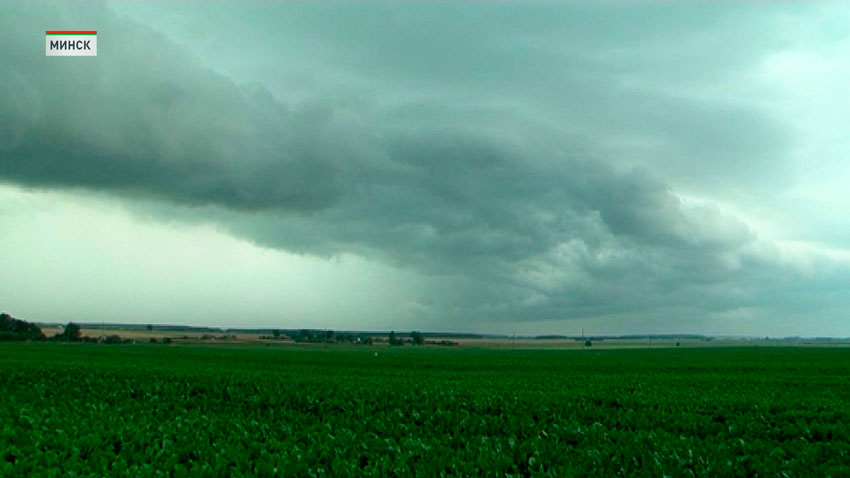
pixel 523 160
pixel 158 125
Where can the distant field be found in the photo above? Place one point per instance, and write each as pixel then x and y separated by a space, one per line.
pixel 156 410
pixel 236 338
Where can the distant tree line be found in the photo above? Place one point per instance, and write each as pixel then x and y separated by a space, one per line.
pixel 328 336
pixel 12 329
pixel 416 338
pixel 218 337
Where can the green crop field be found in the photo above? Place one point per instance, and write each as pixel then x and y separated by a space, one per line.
pixel 97 410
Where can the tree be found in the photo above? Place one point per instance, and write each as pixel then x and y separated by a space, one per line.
pixel 113 339
pixel 418 338
pixel 588 343
pixel 71 333
pixel 16 329
pixel 150 328
pixel 304 336
pixel 276 334
pixel 395 340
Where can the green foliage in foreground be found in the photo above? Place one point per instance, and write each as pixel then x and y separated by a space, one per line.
pixel 145 411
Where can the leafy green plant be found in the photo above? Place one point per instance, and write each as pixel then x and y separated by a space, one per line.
pixel 153 411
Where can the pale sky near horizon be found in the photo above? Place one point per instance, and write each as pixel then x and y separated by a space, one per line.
pixel 527 167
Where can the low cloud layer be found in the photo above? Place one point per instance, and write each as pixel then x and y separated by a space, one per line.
pixel 530 169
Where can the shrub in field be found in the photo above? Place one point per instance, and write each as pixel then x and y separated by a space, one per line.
pixel 448 343
pixel 8 336
pixel 71 333
pixel 394 340
pixel 417 338
pixel 303 336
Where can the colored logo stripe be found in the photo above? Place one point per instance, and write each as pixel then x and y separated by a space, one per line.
pixel 71 32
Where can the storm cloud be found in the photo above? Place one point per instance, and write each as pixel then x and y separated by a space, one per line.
pixel 532 163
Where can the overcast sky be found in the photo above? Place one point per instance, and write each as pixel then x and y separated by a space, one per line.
pixel 485 166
